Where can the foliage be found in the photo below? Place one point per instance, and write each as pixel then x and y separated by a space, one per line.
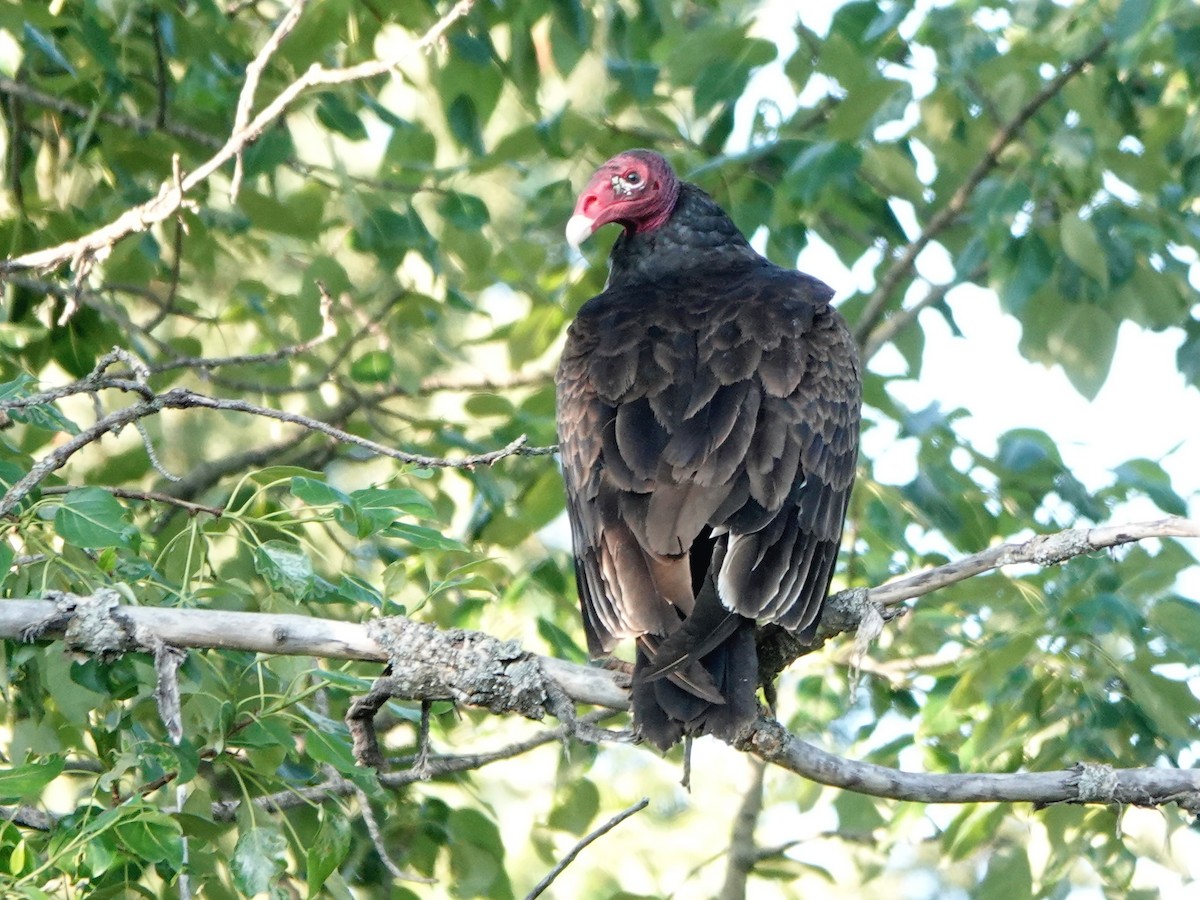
pixel 429 205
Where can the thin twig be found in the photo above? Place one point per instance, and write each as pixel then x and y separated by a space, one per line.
pixel 437 384
pixel 337 786
pixel 893 325
pixel 254 72
pixel 182 398
pixel 136 124
pixel 368 815
pixel 604 829
pixel 206 363
pixel 149 496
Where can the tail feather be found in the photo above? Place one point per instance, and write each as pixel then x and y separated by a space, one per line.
pixel 700 679
pixel 664 710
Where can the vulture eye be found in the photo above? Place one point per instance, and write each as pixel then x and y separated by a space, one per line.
pixel 633 178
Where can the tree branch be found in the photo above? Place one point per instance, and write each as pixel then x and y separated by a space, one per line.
pixel 604 829
pixel 172 193
pixel 137 125
pixel 946 216
pixel 893 325
pixel 253 73
pixel 454 663
pixel 743 852
pixel 295 635
pixel 182 398
pixel 1043 550
pixel 845 610
pixel 1083 783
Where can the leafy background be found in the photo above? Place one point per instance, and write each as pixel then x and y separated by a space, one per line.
pixel 429 205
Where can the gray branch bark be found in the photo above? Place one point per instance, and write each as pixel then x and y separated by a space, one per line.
pixel 430 663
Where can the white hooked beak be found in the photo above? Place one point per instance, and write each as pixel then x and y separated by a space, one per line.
pixel 579 229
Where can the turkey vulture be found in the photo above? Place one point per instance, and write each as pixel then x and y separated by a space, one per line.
pixel 708 412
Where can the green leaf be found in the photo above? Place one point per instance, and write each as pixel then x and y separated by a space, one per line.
pixel 1008 877
pixel 1178 620
pixel 333 113
pixel 1030 267
pixel 422 538
pixel 10 474
pixel 332 751
pixel 857 814
pixel 1168 704
pixel 45 415
pixel 1083 342
pixel 821 167
pixel 259 859
pixel 300 215
pixel 725 79
pixel 26 782
pixel 91 517
pixel 1152 480
pixel 1082 246
pixel 463 119
pixel 356 590
pixel 373 509
pixel 1132 17
pixel 578 808
pixel 153 836
pixel 263 733
pixel 373 367
pixel 1187 357
pixel 316 493
pixel 638 78
pixel 285 567
pixel 328 850
pixel 477 856
pixel 463 211
pixel 562 643
pixel 7 555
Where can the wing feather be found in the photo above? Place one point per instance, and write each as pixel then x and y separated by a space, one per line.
pixel 687 406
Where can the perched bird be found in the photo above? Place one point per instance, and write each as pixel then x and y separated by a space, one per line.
pixel 708 419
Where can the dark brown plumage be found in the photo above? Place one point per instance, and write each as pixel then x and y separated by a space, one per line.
pixel 708 409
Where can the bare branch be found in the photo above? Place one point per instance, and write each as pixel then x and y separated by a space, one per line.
pixel 437 384
pixel 226 810
pixel 1084 783
pixel 368 814
pixel 182 398
pixel 458 664
pixel 135 124
pixel 604 829
pixel 893 325
pixel 295 635
pixel 205 363
pixel 253 73
pixel 28 817
pixel 1043 550
pixel 845 611
pixel 743 852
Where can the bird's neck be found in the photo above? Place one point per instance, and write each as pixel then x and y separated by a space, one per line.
pixel 696 235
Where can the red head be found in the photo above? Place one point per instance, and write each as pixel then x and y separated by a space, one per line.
pixel 636 189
